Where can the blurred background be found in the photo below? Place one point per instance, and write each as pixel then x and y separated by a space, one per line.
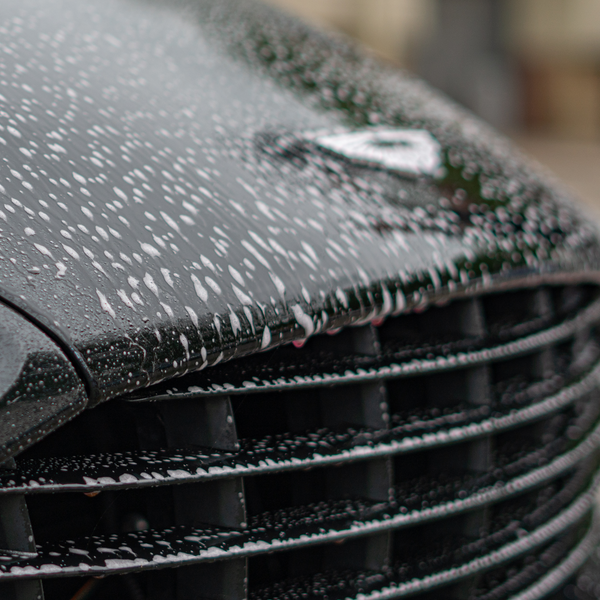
pixel 529 67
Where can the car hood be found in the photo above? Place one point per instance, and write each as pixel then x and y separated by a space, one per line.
pixel 184 184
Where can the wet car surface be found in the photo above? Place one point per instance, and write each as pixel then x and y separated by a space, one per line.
pixel 193 196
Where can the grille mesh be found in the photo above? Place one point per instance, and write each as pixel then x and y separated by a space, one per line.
pixel 449 452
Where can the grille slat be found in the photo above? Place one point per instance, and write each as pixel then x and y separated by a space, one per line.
pixel 551 581
pixel 219 503
pixel 480 452
pixel 275 375
pixel 377 550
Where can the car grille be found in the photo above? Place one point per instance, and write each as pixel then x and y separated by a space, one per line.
pixel 450 453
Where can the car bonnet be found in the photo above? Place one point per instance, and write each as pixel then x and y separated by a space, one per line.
pixel 184 184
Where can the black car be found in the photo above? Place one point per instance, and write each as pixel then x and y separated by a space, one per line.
pixel 279 322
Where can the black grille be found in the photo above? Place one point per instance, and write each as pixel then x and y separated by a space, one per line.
pixel 450 454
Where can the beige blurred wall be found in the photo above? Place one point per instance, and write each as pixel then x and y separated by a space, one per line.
pixel 563 30
pixel 557 29
pixel 558 44
pixel 389 27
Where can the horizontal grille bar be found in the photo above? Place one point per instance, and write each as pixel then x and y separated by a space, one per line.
pixel 376 368
pixel 566 569
pixel 495 491
pixel 181 545
pixel 144 468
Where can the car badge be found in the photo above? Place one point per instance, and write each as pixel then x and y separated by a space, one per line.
pixel 410 152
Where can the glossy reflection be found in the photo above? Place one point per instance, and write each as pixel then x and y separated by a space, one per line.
pixel 165 206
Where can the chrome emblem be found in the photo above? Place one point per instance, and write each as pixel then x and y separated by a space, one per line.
pixel 410 152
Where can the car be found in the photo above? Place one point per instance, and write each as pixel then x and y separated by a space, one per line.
pixel 279 321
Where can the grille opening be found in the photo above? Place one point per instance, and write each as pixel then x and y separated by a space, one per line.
pixel 538 443
pixel 110 427
pixel 259 415
pixel 75 515
pixel 111 587
pixel 503 582
pixel 569 299
pixel 263 570
pixel 440 466
pixel 439 474
pixel 438 325
pixel 221 580
pixel 575 357
pixel 158 585
pixel 359 554
pixel 582 350
pixel 529 378
pixel 121 426
pixel 21 590
pixel 213 580
pixel 351 340
pixel 432 547
pixel 448 543
pixel 431 395
pixel 510 309
pixel 531 509
pixel 430 465
pixel 520 371
pixel 270 493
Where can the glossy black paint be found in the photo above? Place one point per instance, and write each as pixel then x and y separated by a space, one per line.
pixel 165 207
pixel 39 387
